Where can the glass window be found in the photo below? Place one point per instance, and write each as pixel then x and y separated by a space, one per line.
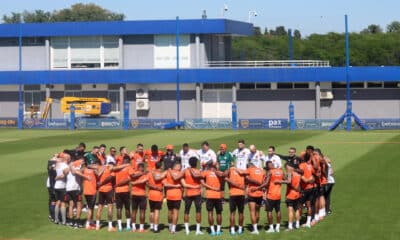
pixel 73 87
pixel 247 85
pixel 375 84
pixel 32 100
pixel 285 85
pixel 113 96
pixel 338 85
pixel 111 51
pixel 392 85
pixel 165 51
pixel 217 86
pixel 263 85
pixel 300 85
pixel 357 84
pixel 59 46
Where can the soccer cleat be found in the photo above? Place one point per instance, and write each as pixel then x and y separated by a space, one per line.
pixel 277 229
pixel 120 229
pixel 142 231
pixel 128 229
pixel 240 232
pixel 90 228
pixel 313 222
pixel 233 233
pixel 187 232
pixel 289 230
pixel 212 234
pixel 271 230
pixel 112 229
pixel 199 233
pixel 305 225
pixel 97 228
pixel 133 230
pixel 255 232
pixel 219 233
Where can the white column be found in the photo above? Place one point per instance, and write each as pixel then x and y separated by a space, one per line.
pixel 121 101
pixel 317 100
pixel 198 102
pixel 47 47
pixel 197 40
pixel 121 52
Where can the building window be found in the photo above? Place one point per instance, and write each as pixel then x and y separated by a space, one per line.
pixel 263 85
pixel 255 85
pixel 300 85
pixel 85 52
pixel 217 86
pixel 113 96
pixel 32 97
pixel 165 51
pixel 338 85
pixel 375 84
pixel 285 85
pixel 73 90
pixel 391 85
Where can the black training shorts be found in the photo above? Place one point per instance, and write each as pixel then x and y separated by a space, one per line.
pixel 197 203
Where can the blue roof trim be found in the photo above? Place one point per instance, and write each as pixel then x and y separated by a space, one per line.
pixel 187 26
pixel 207 75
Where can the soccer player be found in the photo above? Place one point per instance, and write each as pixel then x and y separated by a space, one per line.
pixel 101 155
pixel 152 157
pixel 256 157
pixel 224 162
pixel 273 183
pixel 137 156
pixel 51 175
pixel 322 183
pixel 271 156
pixel 186 153
pixel 73 192
pixel 59 189
pixel 89 191
pixel 212 184
pixel 255 179
pixel 293 194
pixel 139 201
pixel 307 186
pixel 106 195
pixel 111 158
pixel 91 158
pixel 169 158
pixel 192 184
pixel 122 196
pixel 174 195
pixel 236 183
pixel 78 152
pixel 292 158
pixel 123 153
pixel 206 155
pixel 155 185
pixel 241 155
pixel 329 185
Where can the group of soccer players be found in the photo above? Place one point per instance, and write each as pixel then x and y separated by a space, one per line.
pixel 133 180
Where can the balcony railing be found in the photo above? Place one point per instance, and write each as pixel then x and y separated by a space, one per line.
pixel 271 64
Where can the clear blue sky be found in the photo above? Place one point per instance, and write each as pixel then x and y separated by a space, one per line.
pixel 307 15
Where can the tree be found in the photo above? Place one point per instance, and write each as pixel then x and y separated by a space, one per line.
pixel 297 34
pixel 280 31
pixel 76 13
pixel 393 27
pixel 257 31
pixel 372 29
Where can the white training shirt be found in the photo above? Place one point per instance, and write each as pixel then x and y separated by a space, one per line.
pixel 73 181
pixel 275 159
pixel 60 183
pixel 207 156
pixel 331 179
pixel 257 158
pixel 185 158
pixel 241 157
pixel 110 159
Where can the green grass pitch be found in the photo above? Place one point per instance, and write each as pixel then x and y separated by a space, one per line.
pixel 365 199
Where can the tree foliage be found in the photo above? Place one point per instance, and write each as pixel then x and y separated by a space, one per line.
pixel 76 13
pixel 375 48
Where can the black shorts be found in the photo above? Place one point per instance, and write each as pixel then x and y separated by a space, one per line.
pixel 60 195
pixel 257 200
pixel 222 188
pixel 294 203
pixel 155 205
pixel 308 195
pixel 273 204
pixel 139 202
pixel 321 191
pixel 123 200
pixel 197 203
pixel 74 196
pixel 52 196
pixel 174 204
pixel 90 201
pixel 236 202
pixel 106 197
pixel 212 203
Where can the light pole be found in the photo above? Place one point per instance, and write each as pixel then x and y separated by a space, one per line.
pixel 252 13
pixel 224 9
pixel 20 90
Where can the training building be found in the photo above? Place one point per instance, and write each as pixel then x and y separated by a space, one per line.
pixel 136 62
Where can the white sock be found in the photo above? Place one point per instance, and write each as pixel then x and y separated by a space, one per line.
pixel 255 228
pixel 212 229
pixel 156 227
pixel 240 229
pixel 141 226
pixel 290 225
pixel 278 225
pixel 151 226
pixel 322 212
pixel 57 213
pixel 97 223
pixel 87 224
pixel 133 226
pixel 308 220
pixel 297 224
pixel 316 217
pixel 271 226
pixel 128 222
pixel 119 224
pixel 110 224
pixel 173 228
pixel 218 228
pixel 198 227
pixel 187 227
pixel 169 226
pixel 232 229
